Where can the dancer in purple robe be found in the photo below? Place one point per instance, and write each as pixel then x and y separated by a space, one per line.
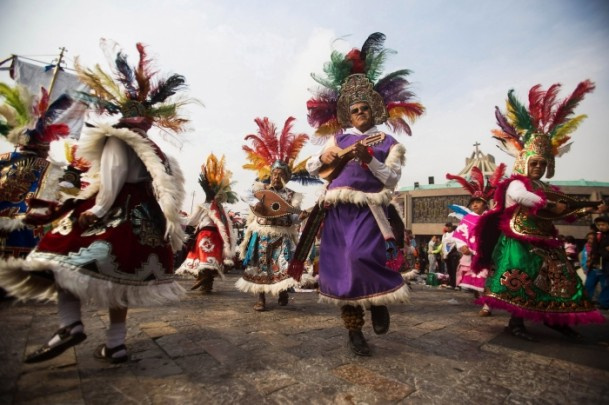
pixel 356 238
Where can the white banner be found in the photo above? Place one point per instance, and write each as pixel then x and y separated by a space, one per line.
pixel 33 77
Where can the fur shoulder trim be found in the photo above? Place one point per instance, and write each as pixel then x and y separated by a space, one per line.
pixel 167 177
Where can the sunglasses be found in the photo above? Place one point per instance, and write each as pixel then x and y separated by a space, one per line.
pixel 357 110
pixel 539 163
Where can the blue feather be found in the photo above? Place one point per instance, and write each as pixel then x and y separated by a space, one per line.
pixel 125 74
pixel 459 210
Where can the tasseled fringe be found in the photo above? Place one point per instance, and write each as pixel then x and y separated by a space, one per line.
pixel 273 289
pixel 17 278
pixel 399 296
pixel 552 318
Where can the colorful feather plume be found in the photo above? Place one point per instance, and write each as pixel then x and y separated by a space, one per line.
pixel 215 180
pixel 268 147
pixel 393 88
pixel 15 110
pixel 29 122
pixel 134 91
pixel 545 115
pixel 476 186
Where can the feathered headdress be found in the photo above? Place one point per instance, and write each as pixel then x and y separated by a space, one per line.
pixel 476 185
pixel 355 77
pixel 215 180
pixel 28 122
pixel 271 150
pixel 541 130
pixel 136 92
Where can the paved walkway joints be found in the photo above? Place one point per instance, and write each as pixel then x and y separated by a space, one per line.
pixel 213 349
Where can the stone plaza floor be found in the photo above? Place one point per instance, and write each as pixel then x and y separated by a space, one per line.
pixel 215 349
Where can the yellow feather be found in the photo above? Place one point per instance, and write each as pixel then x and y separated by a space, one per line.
pixel 300 166
pixel 329 128
pixel 566 129
pixel 67 149
pixel 398 112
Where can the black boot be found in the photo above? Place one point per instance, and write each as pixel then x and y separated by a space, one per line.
pixel 208 282
pixel 358 344
pixel 516 328
pixel 353 317
pixel 380 319
pixel 283 299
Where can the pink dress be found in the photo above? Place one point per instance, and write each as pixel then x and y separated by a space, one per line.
pixel 464 236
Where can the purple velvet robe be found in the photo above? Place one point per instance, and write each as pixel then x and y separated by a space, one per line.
pixel 352 252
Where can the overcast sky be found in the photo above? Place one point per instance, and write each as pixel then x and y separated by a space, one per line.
pixel 248 59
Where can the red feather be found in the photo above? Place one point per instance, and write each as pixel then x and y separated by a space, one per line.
pixel 43 103
pixel 53 132
pixel 259 148
pixel 535 104
pixel 568 105
pixel 285 140
pixel 497 175
pixel 549 101
pixel 464 183
pixel 359 65
pixel 320 111
pixel 143 73
pixel 477 176
pixel 268 134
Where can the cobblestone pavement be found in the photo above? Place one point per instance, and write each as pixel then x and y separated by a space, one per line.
pixel 215 349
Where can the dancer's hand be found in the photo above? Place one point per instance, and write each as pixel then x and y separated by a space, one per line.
pixel 86 219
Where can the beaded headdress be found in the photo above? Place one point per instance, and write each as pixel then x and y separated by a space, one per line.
pixel 543 129
pixel 354 77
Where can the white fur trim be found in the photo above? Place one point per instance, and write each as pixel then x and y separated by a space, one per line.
pixel 253 226
pixel 17 279
pixel 168 188
pixel 397 153
pixel 188 268
pixel 273 231
pixel 11 224
pixel 273 289
pixel 229 244
pixel 350 196
pixel 402 295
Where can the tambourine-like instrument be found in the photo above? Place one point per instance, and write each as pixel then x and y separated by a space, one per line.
pixel 329 172
pixel 273 205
